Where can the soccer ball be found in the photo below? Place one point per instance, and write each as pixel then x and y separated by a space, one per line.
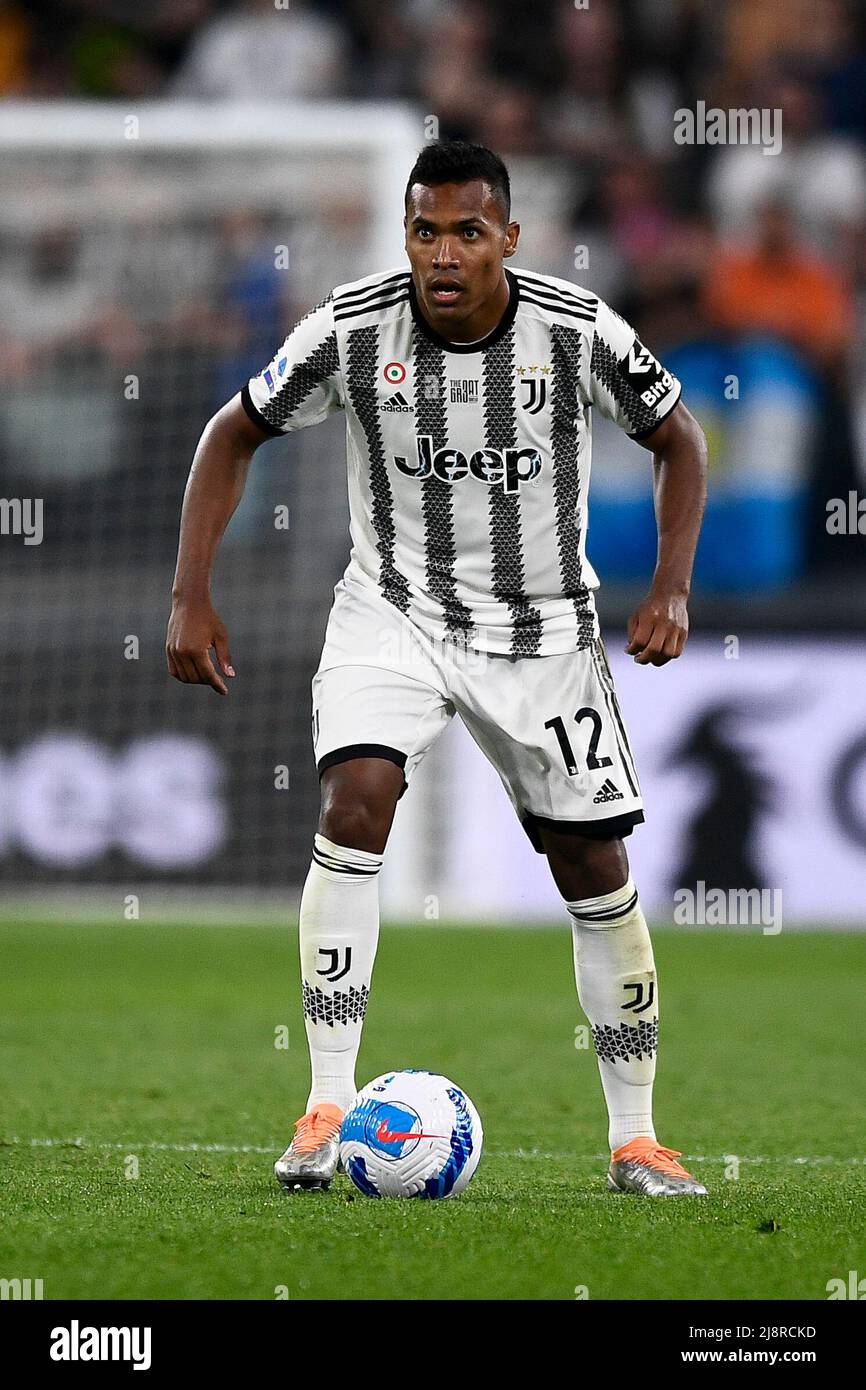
pixel 411 1134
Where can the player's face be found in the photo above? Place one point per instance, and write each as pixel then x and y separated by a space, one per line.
pixel 456 238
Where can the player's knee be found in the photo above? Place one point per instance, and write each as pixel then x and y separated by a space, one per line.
pixel 584 866
pixel 358 805
pixel 356 825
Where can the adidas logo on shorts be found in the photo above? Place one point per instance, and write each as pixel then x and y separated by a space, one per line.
pixel 607 792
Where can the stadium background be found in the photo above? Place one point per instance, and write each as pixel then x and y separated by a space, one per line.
pixel 178 184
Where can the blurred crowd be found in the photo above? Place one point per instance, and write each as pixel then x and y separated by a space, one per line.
pixel 736 264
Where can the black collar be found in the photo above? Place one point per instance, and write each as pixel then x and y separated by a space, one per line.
pixel 492 337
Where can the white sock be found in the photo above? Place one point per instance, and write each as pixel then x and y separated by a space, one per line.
pixel 618 992
pixel 339 932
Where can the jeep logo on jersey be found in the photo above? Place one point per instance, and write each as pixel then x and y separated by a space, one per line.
pixel 510 467
pixel 647 376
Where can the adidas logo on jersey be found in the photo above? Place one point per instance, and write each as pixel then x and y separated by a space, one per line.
pixel 607 792
pixel 397 402
pixel 510 467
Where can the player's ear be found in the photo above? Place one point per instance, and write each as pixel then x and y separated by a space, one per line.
pixel 512 233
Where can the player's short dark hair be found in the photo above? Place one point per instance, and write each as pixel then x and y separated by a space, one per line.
pixel 458 161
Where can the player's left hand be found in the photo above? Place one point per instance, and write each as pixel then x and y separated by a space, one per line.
pixel 658 629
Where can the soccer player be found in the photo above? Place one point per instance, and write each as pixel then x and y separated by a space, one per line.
pixel 468 389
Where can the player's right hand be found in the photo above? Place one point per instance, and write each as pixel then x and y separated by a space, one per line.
pixel 193 629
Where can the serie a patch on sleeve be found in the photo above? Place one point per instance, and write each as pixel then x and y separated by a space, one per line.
pixel 645 374
pixel 272 374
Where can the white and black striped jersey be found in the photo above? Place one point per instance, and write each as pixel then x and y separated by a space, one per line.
pixel 469 464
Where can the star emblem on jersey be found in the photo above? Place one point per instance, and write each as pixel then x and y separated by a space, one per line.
pixel 608 791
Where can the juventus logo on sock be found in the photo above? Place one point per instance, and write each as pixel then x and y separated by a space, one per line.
pixel 643 996
pixel 330 1006
pixel 336 970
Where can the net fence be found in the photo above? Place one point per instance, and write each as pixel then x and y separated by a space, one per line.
pixel 150 264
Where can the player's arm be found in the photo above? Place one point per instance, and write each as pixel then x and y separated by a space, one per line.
pixel 299 387
pixel 659 627
pixel 214 489
pixel 632 388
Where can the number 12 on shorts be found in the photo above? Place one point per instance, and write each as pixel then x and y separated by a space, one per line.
pixel 593 761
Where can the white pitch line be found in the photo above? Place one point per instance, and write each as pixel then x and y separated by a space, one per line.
pixel 77 1142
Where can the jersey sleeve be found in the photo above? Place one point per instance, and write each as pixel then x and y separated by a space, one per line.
pixel 626 382
pixel 302 383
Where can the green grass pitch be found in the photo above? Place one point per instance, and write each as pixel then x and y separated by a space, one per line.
pixel 127 1046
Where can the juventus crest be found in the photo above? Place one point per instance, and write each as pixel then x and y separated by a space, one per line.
pixel 534 394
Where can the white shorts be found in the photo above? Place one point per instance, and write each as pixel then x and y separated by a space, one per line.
pixel 550 725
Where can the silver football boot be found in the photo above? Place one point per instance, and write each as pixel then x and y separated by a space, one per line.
pixel 643 1166
pixel 312 1158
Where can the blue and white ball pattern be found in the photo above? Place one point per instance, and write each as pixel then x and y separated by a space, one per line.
pixel 411 1134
